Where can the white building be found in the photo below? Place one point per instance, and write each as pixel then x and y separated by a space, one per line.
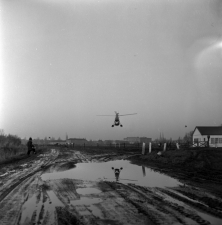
pixel 214 134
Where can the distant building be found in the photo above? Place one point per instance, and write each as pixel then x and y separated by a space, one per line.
pixel 214 134
pixel 92 143
pixel 109 142
pixel 57 142
pixel 120 141
pixel 132 140
pixel 76 141
pixel 145 140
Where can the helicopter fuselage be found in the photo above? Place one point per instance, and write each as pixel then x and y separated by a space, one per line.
pixel 117 122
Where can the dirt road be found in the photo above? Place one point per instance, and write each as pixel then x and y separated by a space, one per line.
pixel 26 198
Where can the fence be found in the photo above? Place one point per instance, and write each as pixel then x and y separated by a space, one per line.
pixel 199 144
pixel 191 145
pixel 118 146
pixel 136 146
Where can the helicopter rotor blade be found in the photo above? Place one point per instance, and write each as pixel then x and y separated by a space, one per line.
pixel 128 114
pixel 105 115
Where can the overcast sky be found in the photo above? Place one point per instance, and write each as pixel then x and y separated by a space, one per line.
pixel 64 62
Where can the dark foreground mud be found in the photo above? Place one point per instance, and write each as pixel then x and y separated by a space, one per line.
pixel 25 198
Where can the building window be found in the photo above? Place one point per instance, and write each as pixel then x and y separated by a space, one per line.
pixel 212 140
pixel 216 140
pixel 220 140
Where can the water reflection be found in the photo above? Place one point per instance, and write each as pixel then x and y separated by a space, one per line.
pixel 144 171
pixel 130 173
pixel 117 172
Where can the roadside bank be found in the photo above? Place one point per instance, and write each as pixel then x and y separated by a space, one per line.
pixel 201 166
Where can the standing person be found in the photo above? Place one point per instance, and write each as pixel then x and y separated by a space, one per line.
pixel 30 146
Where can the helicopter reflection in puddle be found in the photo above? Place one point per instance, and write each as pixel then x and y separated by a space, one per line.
pixel 117 172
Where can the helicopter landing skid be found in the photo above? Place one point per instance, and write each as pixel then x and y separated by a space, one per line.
pixel 114 125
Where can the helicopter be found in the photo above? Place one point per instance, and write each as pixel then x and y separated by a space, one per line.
pixel 117 120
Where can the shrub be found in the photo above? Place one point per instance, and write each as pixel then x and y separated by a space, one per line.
pixel 10 146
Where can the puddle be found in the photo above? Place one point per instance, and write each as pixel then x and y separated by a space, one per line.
pixel 29 207
pixel 86 191
pixel 86 201
pixel 87 206
pixel 130 173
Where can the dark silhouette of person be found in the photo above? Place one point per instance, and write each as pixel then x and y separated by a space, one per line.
pixel 30 146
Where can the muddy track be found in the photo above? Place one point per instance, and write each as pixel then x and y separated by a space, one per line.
pixel 124 204
pixel 13 186
pixel 21 175
pixel 156 208
pixel 27 199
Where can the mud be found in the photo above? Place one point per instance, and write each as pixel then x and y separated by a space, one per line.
pixel 27 198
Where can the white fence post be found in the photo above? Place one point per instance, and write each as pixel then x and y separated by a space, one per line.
pixel 150 146
pixel 143 149
pixel 178 147
pixel 164 147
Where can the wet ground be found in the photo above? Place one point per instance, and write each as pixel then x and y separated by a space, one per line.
pixel 64 186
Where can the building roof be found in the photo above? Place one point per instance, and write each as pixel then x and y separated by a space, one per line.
pixel 210 130
pixel 77 139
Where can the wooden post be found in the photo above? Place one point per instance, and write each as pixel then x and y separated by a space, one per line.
pixel 178 147
pixel 164 147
